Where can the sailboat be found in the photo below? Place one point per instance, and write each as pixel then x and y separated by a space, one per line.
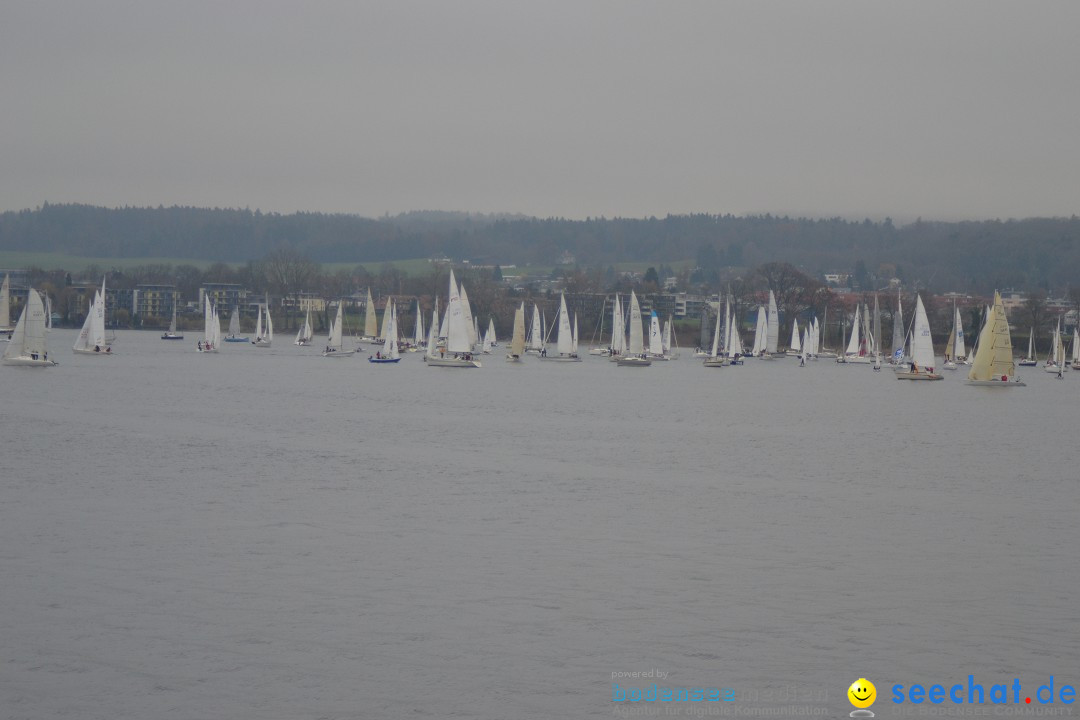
pixel 211 328
pixel 772 334
pixel 390 352
pixel 5 308
pixel 656 338
pixel 489 337
pixel 371 326
pixel 795 344
pixel 306 332
pixel 234 328
pixel 27 346
pixel 457 335
pixel 733 347
pixel 535 341
pixel 419 337
pixel 91 339
pixel 670 342
pixel 517 341
pixel 564 343
pixel 335 345
pixel 993 364
pixel 1075 365
pixel 172 333
pixel 1030 360
pixel 761 331
pixel 1055 359
pixel 897 332
pixel 716 356
pixel 618 332
pixel 635 353
pixel 264 333
pixel 922 348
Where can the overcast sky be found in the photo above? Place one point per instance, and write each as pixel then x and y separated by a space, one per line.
pixel 552 108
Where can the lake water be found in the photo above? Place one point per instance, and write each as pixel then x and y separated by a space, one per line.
pixel 271 534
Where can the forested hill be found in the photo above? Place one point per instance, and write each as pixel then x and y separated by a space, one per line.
pixel 960 255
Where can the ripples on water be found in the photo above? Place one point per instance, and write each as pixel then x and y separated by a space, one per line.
pixel 266 533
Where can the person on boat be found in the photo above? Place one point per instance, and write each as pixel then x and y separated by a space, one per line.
pixel 378 355
pixel 97 348
pixel 200 345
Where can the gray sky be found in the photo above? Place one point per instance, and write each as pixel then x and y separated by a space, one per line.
pixel 552 107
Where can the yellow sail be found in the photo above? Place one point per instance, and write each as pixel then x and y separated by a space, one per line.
pixel 994 359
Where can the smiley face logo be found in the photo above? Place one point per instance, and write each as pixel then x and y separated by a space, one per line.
pixel 862 693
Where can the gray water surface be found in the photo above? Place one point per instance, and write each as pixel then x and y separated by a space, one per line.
pixel 272 534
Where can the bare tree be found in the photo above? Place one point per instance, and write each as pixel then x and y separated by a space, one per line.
pixel 288 273
pixel 1035 311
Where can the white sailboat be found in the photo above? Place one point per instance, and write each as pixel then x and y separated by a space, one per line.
pixel 492 341
pixel 993 364
pixel 458 347
pixel 656 339
pixel 211 328
pixel 234 328
pixel 172 333
pixel 27 346
pixel 432 348
pixel 335 342
pixel 6 328
pixel 91 339
pixel 1075 365
pixel 761 332
pixel 618 331
pixel 517 341
pixel 733 347
pixel 772 335
pixel 1055 359
pixel 1030 360
pixel 390 352
pixel 564 342
pixel 419 336
pixel 717 356
pixel 535 341
pixel 922 348
pixel 670 342
pixel 635 353
pixel 795 344
pixel 264 332
pixel 371 327
pixel 48 313
pixel 306 331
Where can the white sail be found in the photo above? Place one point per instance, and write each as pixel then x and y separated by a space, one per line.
pixel 305 333
pixel 959 351
pixel 5 304
pixel 796 342
pixel 1076 346
pixel 573 348
pixel 922 346
pixel 876 349
pixel 761 331
pixel 466 312
pixel 390 349
pixel 433 338
pixel 993 363
pixel 172 323
pixel 234 323
pixel 853 342
pixel 772 339
pixel 618 328
pixel 656 344
pixel 259 325
pixel 371 328
pixel 335 341
pixel 457 332
pixel 27 345
pixel 716 348
pixel 637 338
pixel 667 337
pixel 536 332
pixel 517 342
pixel 418 327
pixel 491 332
pixel 564 345
pixel 734 343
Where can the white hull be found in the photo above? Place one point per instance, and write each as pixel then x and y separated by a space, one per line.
pixel 1026 362
pixel 339 353
pixel 261 343
pixel 28 362
pixel 949 365
pixel 715 362
pixel 997 383
pixel 860 360
pixel 452 362
pixel 514 359
pixel 634 362
pixel 560 358
pixel 1054 368
pixel 92 351
pixel 602 352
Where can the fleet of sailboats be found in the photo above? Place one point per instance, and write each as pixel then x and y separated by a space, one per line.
pixel 635 352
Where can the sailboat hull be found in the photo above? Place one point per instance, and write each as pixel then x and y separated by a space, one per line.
pixel 261 343
pixel 28 362
pixel 634 362
pixel 236 339
pixel 91 351
pixel 383 360
pixel 917 376
pixel 997 383
pixel 171 336
pixel 560 358
pixel 715 362
pixel 452 362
